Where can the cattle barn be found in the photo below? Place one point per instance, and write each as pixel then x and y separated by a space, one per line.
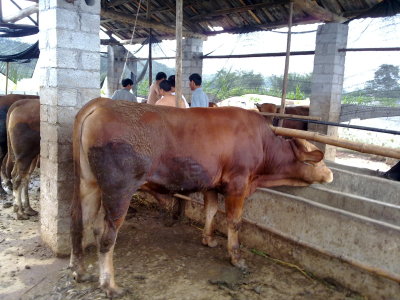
pixel 345 238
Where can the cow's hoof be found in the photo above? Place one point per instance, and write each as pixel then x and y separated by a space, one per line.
pixel 240 263
pixel 16 208
pixel 22 216
pixel 7 204
pixel 30 211
pixel 114 292
pixel 209 241
pixel 83 277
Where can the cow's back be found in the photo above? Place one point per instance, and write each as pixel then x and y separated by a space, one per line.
pixel 194 145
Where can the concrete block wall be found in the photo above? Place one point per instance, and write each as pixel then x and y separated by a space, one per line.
pixel 327 79
pixel 191 62
pixel 70 77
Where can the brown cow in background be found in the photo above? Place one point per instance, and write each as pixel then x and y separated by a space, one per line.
pixel 290 110
pixel 119 146
pixel 5 103
pixel 23 143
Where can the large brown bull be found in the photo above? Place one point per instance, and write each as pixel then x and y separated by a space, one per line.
pixel 23 140
pixel 120 146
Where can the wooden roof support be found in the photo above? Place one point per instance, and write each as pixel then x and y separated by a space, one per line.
pixel 313 9
pixel 23 13
pixel 129 19
pixel 239 9
pixel 179 52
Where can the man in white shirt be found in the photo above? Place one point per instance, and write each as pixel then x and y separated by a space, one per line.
pixel 124 93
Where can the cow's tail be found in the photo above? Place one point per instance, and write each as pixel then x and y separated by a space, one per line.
pixel 77 230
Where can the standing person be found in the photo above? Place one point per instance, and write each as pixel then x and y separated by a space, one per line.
pixel 171 79
pixel 167 98
pixel 199 98
pixel 124 93
pixel 154 93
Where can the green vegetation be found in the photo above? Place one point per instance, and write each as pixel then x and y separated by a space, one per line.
pixel 383 90
pixel 227 84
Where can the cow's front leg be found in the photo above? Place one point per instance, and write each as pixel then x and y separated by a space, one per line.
pixel 211 208
pixel 234 210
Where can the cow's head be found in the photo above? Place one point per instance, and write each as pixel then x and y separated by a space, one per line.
pixel 309 166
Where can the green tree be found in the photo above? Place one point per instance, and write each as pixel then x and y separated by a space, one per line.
pixel 299 85
pixel 386 82
pixel 226 83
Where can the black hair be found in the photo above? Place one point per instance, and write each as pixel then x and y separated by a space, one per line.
pixel 171 80
pixel 165 85
pixel 127 81
pixel 196 78
pixel 161 75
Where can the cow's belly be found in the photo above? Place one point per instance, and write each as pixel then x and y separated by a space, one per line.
pixel 182 174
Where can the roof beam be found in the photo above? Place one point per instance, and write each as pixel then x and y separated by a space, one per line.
pixel 23 13
pixel 130 19
pixel 313 9
pixel 239 9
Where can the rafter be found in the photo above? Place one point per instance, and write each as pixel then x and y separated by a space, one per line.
pixel 129 19
pixel 23 13
pixel 240 9
pixel 313 9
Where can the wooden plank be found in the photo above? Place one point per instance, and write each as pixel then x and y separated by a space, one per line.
pixel 239 9
pixel 338 142
pixel 285 116
pixel 312 8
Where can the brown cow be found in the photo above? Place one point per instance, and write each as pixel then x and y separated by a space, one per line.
pixel 5 103
pixel 23 139
pixel 119 146
pixel 290 110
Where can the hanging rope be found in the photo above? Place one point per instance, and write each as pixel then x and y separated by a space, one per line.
pixel 130 43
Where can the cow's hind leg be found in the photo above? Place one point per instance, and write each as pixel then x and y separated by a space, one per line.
pixel 120 172
pixel 28 210
pixel 211 208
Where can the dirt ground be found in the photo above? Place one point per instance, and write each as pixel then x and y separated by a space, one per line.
pixel 152 261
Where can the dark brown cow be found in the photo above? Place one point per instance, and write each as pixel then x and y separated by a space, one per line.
pixel 23 139
pixel 119 146
pixel 290 110
pixel 5 103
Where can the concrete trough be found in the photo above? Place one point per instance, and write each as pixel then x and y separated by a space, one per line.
pixel 350 239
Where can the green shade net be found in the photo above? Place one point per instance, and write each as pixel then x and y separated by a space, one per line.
pixel 20 57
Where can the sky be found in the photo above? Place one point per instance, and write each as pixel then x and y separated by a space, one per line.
pixel 360 66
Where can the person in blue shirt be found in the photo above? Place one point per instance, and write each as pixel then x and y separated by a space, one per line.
pixel 199 98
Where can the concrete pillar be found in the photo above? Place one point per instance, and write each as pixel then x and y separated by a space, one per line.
pixel 115 67
pixel 191 62
pixel 327 80
pixel 70 77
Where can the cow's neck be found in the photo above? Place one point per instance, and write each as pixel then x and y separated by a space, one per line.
pixel 278 155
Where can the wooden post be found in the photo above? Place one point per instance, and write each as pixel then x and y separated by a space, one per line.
pixel 150 54
pixel 285 75
pixel 150 61
pixel 178 61
pixel 7 69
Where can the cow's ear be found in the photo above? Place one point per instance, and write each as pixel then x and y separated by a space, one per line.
pixel 305 151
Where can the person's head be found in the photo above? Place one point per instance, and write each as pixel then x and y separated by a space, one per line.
pixel 165 87
pixel 161 76
pixel 194 81
pixel 171 80
pixel 127 83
